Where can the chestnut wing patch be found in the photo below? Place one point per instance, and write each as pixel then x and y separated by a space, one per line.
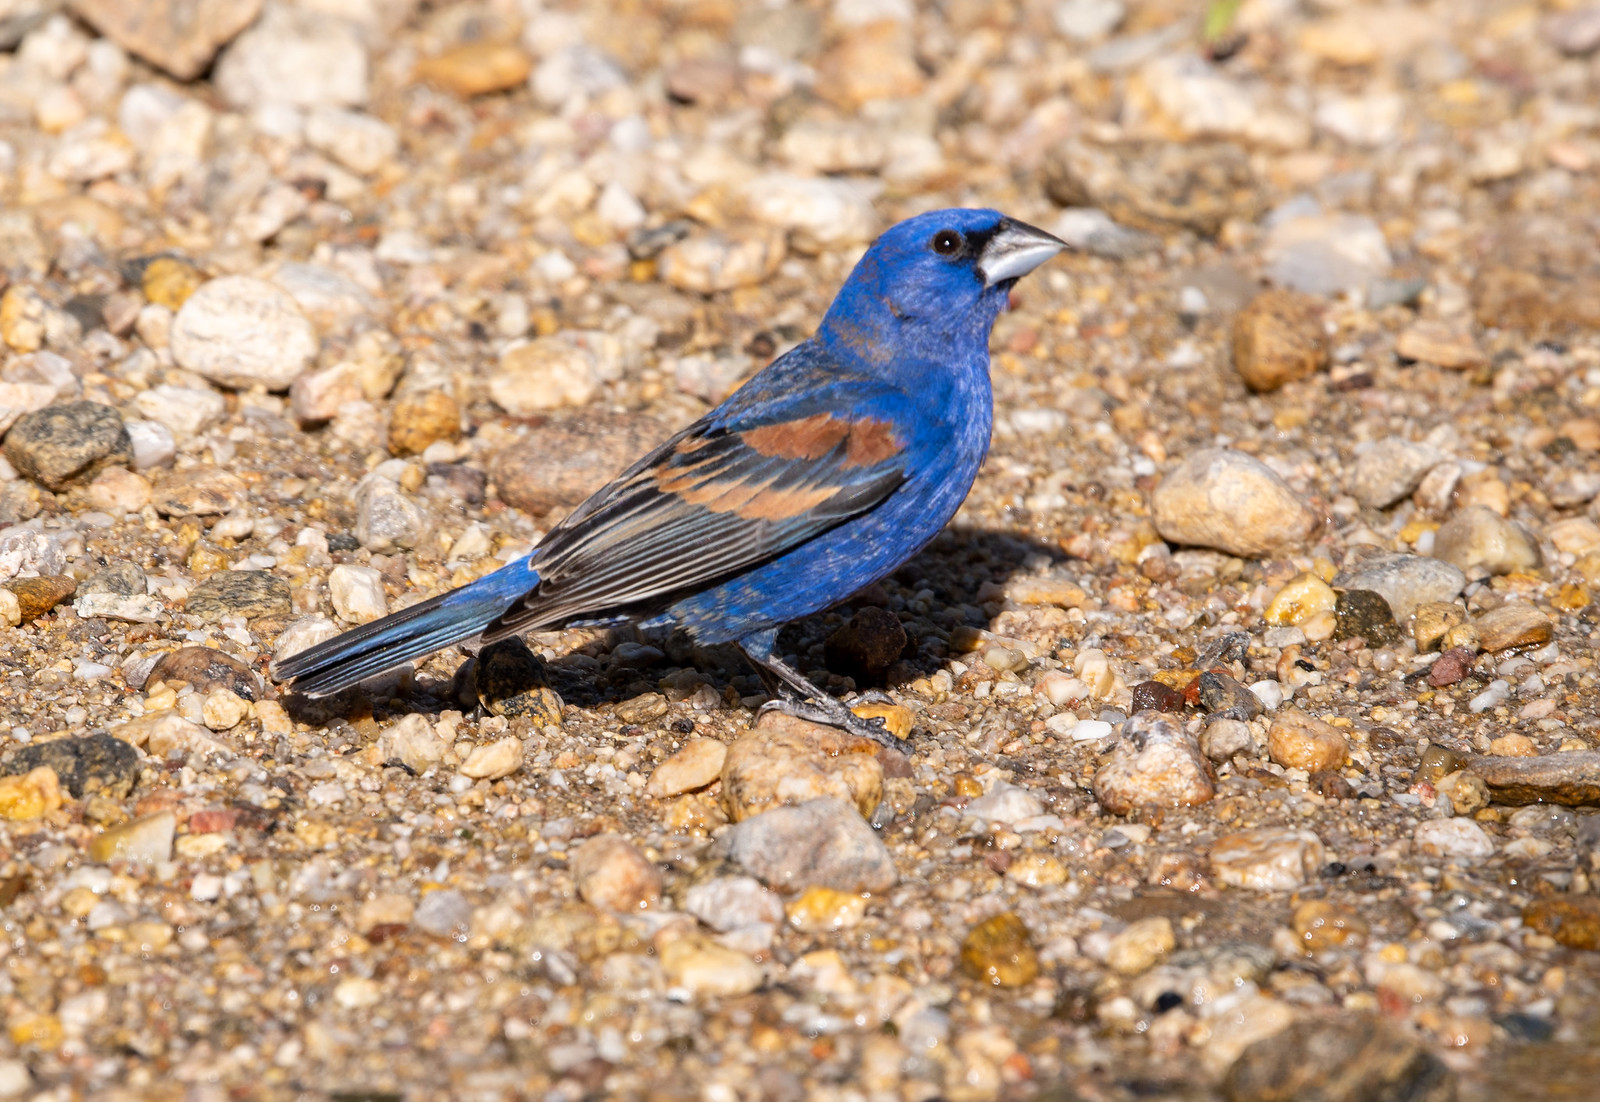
pixel 707 505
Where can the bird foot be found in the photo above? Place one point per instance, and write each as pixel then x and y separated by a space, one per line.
pixel 832 713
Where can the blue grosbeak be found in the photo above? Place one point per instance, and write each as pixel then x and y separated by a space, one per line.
pixel 822 474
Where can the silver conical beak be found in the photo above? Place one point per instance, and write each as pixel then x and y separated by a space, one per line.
pixel 1014 250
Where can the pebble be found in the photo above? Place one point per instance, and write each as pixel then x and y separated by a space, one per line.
pixel 1156 185
pixel 561 462
pixel 29 795
pixel 1572 920
pixel 10 607
pixel 866 645
pixel 19 398
pixel 1005 803
pixel 711 262
pixel 542 374
pixel 93 764
pixel 1088 20
pixel 1157 764
pixel 335 304
pixel 199 492
pixel 444 913
pixel 1433 621
pixel 1277 339
pixel 303 633
pixel 897 718
pixel 733 902
pixel 1458 837
pixel 153 444
pixel 500 758
pixel 168 281
pixel 247 593
pixel 297 57
pixel 1571 778
pixel 38 596
pixel 1222 739
pixel 186 410
pixel 148 839
pixel 1405 581
pixel 696 764
pixel 421 420
pixel 1300 741
pixel 414 743
pixel 703 967
pixel 476 68
pixel 66 443
pixel 118 491
pixel 1347 1058
pixel 1302 597
pixel 1141 946
pixel 1223 697
pixel 178 38
pixel 822 842
pixel 1389 471
pixel 1478 537
pixel 817 212
pixel 1575 31
pixel 1322 254
pixel 822 910
pixel 159 733
pixel 784 760
pixel 206 669
pixel 1267 859
pixel 999 951
pixel 1513 625
pixel 1364 614
pixel 1439 344
pixel 239 331
pixel 1232 502
pixel 387 519
pixel 614 874
pixel 1577 536
pixel 358 141
pixel 384 909
pixel 223 710
pixel 509 680
pixel 357 593
pixel 1321 925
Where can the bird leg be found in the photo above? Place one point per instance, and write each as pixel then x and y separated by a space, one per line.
pixel 796 696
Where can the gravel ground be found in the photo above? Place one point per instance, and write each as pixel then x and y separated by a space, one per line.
pixel 1250 701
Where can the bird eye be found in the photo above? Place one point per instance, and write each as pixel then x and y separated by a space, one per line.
pixel 946 242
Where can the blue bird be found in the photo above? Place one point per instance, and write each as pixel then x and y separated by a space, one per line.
pixel 825 472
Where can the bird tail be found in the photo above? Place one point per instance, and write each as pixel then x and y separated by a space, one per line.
pixel 412 632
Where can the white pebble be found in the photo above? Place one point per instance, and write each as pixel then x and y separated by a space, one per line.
pixel 357 593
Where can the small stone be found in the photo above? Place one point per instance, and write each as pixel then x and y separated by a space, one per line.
pixel 1223 697
pixel 1222 739
pixel 15 1079
pixel 1571 778
pixel 561 462
pixel 1322 925
pixel 1301 598
pixel 1326 254
pixel 1432 621
pixel 546 373
pixel 823 842
pixel 711 262
pixel 615 874
pixel 17 399
pixel 186 410
pixel 94 764
pixel 413 743
pixel 1479 537
pixel 443 913
pixel 201 492
pixel 387 520
pixel 118 491
pixel 357 593
pixel 1146 696
pixel 477 68
pixel 66 443
pixel 1267 859
pixel 500 758
pixel 784 760
pixel 999 951
pixel 22 318
pixel 1300 741
pixel 10 607
pixel 642 708
pixel 334 303
pixel 1405 581
pixel 1451 666
pixel 239 331
pixel 820 910
pixel 1578 536
pixel 703 967
pixel 1513 625
pixel 1350 1058
pixel 897 718
pixel 1573 920
pixel 817 212
pixel 1005 803
pixel 866 645
pixel 1439 344
pixel 294 56
pixel 1141 946
pixel 29 795
pixel 509 680
pixel 1278 339
pixel 1389 471
pixel 180 38
pixel 1156 185
pixel 1364 614
pixel 206 669
pixel 247 593
pixel 1468 792
pixel 38 596
pixel 731 902
pixel 159 733
pixel 384 909
pixel 1232 502
pixel 1157 764
pixel 419 420
pixel 1513 746
pixel 223 710
pixel 697 764
pixel 148 839
pixel 1458 837
pixel 358 141
pixel 153 444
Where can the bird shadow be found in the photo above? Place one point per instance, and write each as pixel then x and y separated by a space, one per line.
pixel 952 583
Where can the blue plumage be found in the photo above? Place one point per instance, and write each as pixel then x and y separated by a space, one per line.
pixel 821 475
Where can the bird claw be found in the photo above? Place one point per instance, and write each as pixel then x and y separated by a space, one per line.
pixel 837 716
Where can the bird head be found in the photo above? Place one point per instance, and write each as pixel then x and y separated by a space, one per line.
pixel 944 271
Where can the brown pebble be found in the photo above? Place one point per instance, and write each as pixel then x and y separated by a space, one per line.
pixel 1000 951
pixel 1512 626
pixel 1450 667
pixel 206 669
pixel 866 645
pixel 1300 741
pixel 477 68
pixel 1574 920
pixel 422 419
pixel 1153 696
pixel 562 461
pixel 37 596
pixel 1277 339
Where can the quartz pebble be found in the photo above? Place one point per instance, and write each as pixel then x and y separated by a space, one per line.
pixel 820 842
pixel 542 374
pixel 357 593
pixel 703 967
pixel 239 331
pixel 731 902
pixel 1512 625
pixel 784 760
pixel 1232 502
pixel 1157 764
pixel 613 873
pixel 1453 838
pixel 1478 537
pixel 1405 581
pixel 500 758
pixel 1141 946
pixel 148 839
pixel 698 763
pixel 1389 471
pixel 1267 859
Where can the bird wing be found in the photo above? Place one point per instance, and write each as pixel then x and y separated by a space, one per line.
pixel 731 492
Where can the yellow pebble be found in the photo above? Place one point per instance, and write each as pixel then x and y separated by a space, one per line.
pixel 1301 598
